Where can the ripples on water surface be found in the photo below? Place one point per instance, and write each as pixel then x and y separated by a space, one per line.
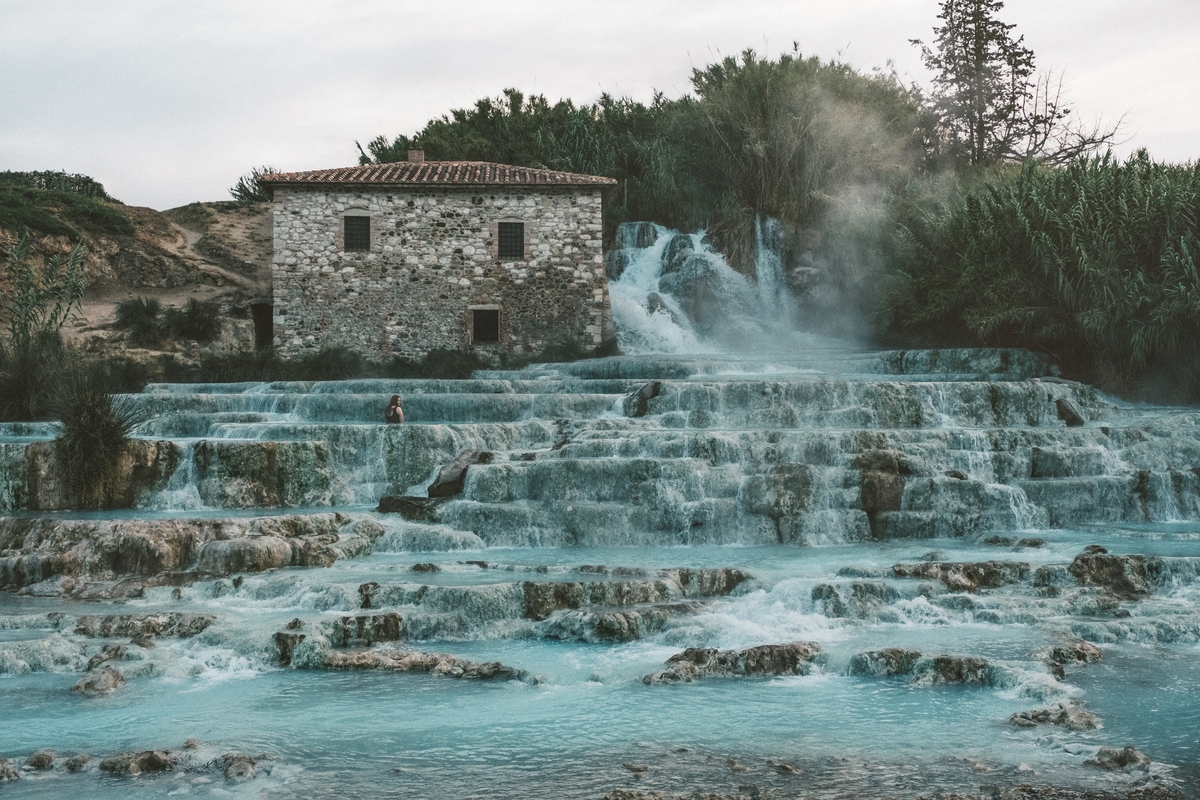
pixel 404 735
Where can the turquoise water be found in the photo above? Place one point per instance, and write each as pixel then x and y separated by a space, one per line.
pixel 407 735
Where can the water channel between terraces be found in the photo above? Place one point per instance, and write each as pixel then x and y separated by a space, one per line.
pixel 953 554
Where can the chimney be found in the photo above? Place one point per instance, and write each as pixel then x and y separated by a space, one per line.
pixel 416 156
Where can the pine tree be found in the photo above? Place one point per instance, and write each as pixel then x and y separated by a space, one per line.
pixel 991 104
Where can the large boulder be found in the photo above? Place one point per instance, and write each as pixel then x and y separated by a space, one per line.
pixel 1126 576
pixel 637 235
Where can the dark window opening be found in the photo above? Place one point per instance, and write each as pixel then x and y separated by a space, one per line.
pixel 486 326
pixel 357 234
pixel 264 324
pixel 512 241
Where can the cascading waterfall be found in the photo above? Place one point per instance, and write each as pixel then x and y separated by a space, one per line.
pixel 774 294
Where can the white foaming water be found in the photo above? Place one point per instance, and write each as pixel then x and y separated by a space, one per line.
pixel 773 292
pixel 640 330
pixel 650 320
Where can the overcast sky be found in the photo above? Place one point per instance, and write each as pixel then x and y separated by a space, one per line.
pixel 169 102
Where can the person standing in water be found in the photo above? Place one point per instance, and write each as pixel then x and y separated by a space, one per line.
pixel 394 414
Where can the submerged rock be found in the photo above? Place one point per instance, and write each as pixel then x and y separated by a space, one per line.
pixel 99 682
pixel 8 771
pixel 966 577
pixel 616 626
pixel 42 759
pixel 78 762
pixel 411 507
pixel 1110 758
pixel 964 670
pixel 139 762
pixel 451 477
pixel 862 598
pixel 111 626
pixel 886 662
pixel 1072 717
pixel 794 658
pixel 238 767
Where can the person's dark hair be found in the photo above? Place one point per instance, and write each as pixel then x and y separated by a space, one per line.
pixel 395 400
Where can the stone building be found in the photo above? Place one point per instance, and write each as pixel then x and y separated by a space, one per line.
pixel 401 259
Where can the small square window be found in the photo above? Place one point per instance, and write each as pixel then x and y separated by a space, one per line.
pixel 357 236
pixel 486 326
pixel 512 241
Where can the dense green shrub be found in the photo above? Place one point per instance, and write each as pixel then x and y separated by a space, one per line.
pixel 1094 262
pixel 197 320
pixel 95 429
pixel 57 181
pixel 140 316
pixel 249 188
pixel 58 213
pixel 150 326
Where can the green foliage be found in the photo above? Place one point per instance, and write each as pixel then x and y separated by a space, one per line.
pixel 57 181
pixel 249 188
pixel 58 213
pixel 759 136
pixel 96 427
pixel 39 301
pixel 1094 262
pixel 140 316
pixel 197 320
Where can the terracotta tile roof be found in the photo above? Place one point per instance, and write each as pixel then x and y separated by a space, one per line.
pixel 440 173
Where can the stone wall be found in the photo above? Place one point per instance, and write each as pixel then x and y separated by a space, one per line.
pixel 433 259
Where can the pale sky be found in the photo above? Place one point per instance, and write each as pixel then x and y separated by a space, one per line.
pixel 167 102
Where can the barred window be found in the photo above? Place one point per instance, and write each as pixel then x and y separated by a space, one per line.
pixel 512 241
pixel 357 236
pixel 486 326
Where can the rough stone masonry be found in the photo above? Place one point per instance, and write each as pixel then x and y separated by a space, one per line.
pixel 433 261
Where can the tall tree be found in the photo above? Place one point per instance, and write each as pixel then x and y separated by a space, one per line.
pixel 991 104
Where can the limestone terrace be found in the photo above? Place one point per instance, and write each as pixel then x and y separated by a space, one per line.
pixel 436 173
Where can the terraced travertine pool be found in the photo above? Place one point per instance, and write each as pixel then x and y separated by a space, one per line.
pixel 923 518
